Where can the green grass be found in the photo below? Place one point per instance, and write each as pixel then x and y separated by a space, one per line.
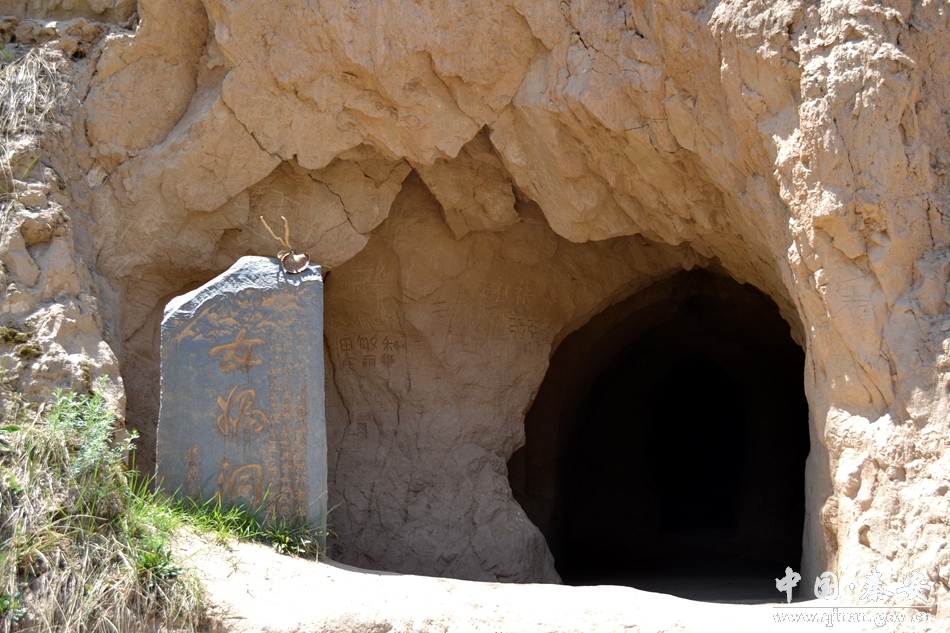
pixel 226 521
pixel 83 545
pixel 87 544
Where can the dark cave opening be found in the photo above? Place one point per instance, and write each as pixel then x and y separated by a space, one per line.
pixel 666 447
pixel 702 435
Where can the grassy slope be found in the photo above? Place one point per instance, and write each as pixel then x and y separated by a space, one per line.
pixel 83 544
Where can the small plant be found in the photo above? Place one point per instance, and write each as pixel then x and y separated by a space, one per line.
pixel 85 425
pixel 4 443
pixel 29 167
pixel 14 336
pixel 295 539
pixel 29 351
pixel 85 542
pixel 86 374
pixel 11 607
pixel 158 564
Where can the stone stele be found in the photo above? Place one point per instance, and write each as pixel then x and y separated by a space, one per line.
pixel 242 399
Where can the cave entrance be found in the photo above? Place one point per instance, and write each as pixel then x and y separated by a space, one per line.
pixel 666 447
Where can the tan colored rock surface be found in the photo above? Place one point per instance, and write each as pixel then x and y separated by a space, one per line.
pixel 567 156
pixel 54 335
pixel 473 189
pixel 116 11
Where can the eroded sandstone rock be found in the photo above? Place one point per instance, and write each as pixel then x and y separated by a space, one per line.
pixel 568 155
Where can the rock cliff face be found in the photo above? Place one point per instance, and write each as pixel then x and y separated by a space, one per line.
pixel 485 177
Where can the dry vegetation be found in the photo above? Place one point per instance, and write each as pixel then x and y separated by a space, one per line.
pixel 28 89
pixel 83 545
pixel 28 86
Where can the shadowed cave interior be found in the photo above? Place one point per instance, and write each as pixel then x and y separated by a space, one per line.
pixel 666 447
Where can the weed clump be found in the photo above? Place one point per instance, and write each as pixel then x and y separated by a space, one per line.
pixel 83 544
pixel 289 537
pixel 29 351
pixel 28 87
pixel 14 336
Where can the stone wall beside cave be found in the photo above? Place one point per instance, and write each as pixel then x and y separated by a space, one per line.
pixel 437 345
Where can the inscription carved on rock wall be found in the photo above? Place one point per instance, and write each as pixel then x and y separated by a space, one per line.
pixel 370 350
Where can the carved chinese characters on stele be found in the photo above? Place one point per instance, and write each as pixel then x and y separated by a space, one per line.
pixel 242 402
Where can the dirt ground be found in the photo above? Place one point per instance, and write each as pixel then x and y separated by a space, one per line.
pixel 251 588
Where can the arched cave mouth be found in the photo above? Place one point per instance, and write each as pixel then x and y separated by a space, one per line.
pixel 666 447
